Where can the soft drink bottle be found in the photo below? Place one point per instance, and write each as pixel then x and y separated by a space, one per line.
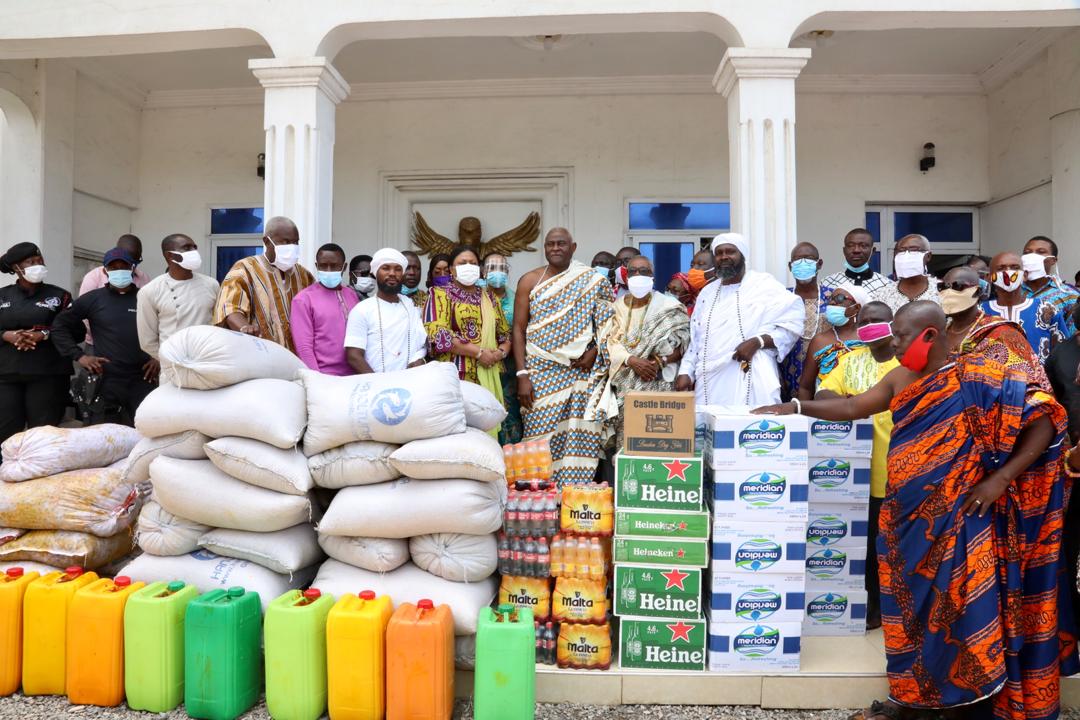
pixel 504 554
pixel 531 458
pixel 550 643
pixel 517 557
pixel 508 460
pixel 536 515
pixel 543 558
pixel 551 513
pixel 539 641
pixel 544 449
pixel 569 557
pixel 530 557
pixel 596 560
pixel 556 555
pixel 583 566
pixel 525 510
pixel 519 461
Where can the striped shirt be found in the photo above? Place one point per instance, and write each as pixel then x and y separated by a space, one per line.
pixel 263 295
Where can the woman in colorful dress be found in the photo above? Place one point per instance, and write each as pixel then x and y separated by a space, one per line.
pixel 839 338
pixel 497 274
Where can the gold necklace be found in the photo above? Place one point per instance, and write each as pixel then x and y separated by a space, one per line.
pixel 629 322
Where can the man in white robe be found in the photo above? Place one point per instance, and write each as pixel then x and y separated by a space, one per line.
pixel 741 328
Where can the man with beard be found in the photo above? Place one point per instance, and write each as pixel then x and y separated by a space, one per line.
pixel 741 326
pixel 385 333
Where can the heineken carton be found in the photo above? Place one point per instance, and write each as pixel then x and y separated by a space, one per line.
pixel 835 613
pixel 837 525
pixel 759 495
pixel 662 523
pixel 836 568
pixel 836 479
pixel 683 552
pixel 656 644
pixel 843 438
pixel 756 598
pixel 658 591
pixel 754 647
pixel 740 441
pixel 753 548
pixel 659 483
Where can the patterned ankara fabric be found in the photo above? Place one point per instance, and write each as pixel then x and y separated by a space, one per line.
pixel 1043 322
pixel 263 295
pixel 453 313
pixel 1005 343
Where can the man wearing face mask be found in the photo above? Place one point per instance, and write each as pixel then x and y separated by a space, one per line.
pixel 910 261
pixel 618 273
pixel 127 373
pixel 805 264
pixel 361 278
pixel 256 296
pixel 972 521
pixel 178 299
pixel 839 336
pixel 384 333
pixel 858 249
pixel 410 284
pixel 97 278
pixel 320 313
pixel 1041 280
pixel 1043 323
pixel 604 264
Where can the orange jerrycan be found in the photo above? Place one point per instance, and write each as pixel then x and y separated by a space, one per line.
pixel 45 615
pixel 356 656
pixel 12 589
pixel 420 662
pixel 95 651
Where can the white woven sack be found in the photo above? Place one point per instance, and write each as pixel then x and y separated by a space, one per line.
pixel 159 532
pixel 482 409
pixel 465 652
pixel 206 357
pixel 408 584
pixel 272 411
pixel 363 462
pixel 97 501
pixel 184 445
pixel 284 551
pixel 457 557
pixel 374 554
pixel 471 455
pixel 208 571
pixel 405 507
pixel 197 490
pixel 390 407
pixel 47 450
pixel 256 463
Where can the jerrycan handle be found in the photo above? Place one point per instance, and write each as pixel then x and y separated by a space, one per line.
pixel 309 596
pixel 121 582
pixel 172 588
pixel 423 606
pixel 70 573
pixel 366 595
pixel 506 612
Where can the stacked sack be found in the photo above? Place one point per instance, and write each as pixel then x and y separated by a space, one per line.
pixel 231 501
pixel 64 499
pixel 420 487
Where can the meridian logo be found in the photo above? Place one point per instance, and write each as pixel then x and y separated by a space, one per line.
pixel 757 554
pixel 757 604
pixel 830 432
pixel 760 438
pixel 829 474
pixel 827 608
pixel 756 641
pixel 826 563
pixel 762 490
pixel 827 530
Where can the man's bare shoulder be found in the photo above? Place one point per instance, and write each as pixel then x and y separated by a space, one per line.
pixel 528 280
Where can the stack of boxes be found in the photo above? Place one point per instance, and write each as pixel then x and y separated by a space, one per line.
pixel 836 536
pixel 759 491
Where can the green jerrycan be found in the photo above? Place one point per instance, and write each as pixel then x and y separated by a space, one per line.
pixel 295 630
pixel 222 654
pixel 505 676
pixel 154 646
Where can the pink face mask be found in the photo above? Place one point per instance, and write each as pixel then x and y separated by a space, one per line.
pixel 874 331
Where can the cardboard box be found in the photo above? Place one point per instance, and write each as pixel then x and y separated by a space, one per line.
pixel 660 551
pixel 837 525
pixel 839 480
pixel 841 438
pixel 750 548
pixel 756 599
pixel 739 440
pixel 759 495
pixel 661 523
pixel 659 483
pixel 656 644
pixel 658 591
pixel 835 614
pixel 754 648
pixel 836 569
pixel 659 423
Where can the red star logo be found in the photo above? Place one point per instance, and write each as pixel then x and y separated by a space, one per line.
pixel 681 553
pixel 677 469
pixel 675 578
pixel 682 526
pixel 680 630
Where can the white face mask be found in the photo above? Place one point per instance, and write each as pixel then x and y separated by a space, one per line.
pixel 909 263
pixel 189 259
pixel 35 273
pixel 1008 280
pixel 467 274
pixel 639 285
pixel 364 284
pixel 1034 265
pixel 285 256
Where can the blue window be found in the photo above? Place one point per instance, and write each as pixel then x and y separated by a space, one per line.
pixel 236 221
pixel 667 258
pixel 680 216
pixel 938 227
pixel 227 255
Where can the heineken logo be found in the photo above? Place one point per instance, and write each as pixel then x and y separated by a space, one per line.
pixel 762 490
pixel 673 656
pixel 674 578
pixel 830 473
pixel 667 494
pixel 827 530
pixel 680 631
pixel 663 553
pixel 522 598
pixel 826 563
pixel 757 604
pixel 676 469
pixel 827 608
pixel 830 432
pixel 584 513
pixel 757 554
pixel 668 604
pixel 756 641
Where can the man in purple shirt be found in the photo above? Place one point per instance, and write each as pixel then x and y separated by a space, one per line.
pixel 319 314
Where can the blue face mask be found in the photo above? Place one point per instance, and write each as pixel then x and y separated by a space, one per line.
pixel 481 283
pixel 836 315
pixel 497 279
pixel 984 288
pixel 329 278
pixel 861 269
pixel 406 290
pixel 119 279
pixel 804 269
pixel 603 272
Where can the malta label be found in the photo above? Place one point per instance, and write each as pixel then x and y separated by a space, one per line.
pixel 657 483
pixel 660 551
pixel 667 592
pixel 662 644
pixel 657 523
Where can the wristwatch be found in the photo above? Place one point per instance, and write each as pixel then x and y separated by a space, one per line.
pixel 44 333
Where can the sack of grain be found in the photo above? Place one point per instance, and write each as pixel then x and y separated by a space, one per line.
pixel 64 548
pixel 272 411
pixel 159 532
pixel 96 501
pixel 408 584
pixel 9 534
pixel 471 455
pixel 284 551
pixel 206 357
pixel 257 463
pixel 482 409
pixel 43 451
pixel 184 445
pixel 374 554
pixel 196 490
pixel 363 462
pixel 390 407
pixel 405 507
pixel 452 556
pixel 208 571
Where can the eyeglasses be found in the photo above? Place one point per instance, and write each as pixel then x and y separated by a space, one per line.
pixel 958 285
pixel 631 272
pixel 496 268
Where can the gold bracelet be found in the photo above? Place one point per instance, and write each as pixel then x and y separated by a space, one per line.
pixel 1069 472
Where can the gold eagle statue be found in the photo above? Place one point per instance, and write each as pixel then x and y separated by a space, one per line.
pixel 515 240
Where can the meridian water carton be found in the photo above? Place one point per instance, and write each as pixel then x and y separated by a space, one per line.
pixel 756 599
pixel 833 568
pixel 839 479
pixel 759 495
pixel 654 644
pixel 657 591
pixel 659 483
pixel 754 647
pixel 661 551
pixel 841 438
pixel 837 526
pixel 835 613
pixel 751 548
pixel 735 439
pixel 660 523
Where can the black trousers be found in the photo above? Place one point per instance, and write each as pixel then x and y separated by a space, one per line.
pixel 873 580
pixel 28 401
pixel 121 396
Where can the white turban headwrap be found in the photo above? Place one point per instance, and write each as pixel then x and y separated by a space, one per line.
pixel 387 256
pixel 857 293
pixel 732 239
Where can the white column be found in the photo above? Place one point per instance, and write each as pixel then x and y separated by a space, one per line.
pixel 759 86
pixel 301 98
pixel 57 85
pixel 1064 66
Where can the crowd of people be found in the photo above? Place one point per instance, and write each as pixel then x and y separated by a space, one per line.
pixel 971 380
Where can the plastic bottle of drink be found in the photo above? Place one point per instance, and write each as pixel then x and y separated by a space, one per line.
pixel 508 459
pixel 551 513
pixel 543 558
pixel 556 556
pixel 519 462
pixel 530 456
pixel 504 554
pixel 530 557
pixel 584 570
pixel 550 643
pixel 517 557
pixel 544 450
pixel 510 519
pixel 596 560
pixel 536 518
pixel 526 508
pixel 539 633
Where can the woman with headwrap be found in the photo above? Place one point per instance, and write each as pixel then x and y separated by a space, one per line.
pixel 33 375
pixel 680 288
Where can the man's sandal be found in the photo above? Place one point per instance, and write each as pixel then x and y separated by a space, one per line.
pixel 878 710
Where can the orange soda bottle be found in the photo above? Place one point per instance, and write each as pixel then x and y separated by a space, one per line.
pixel 543 460
pixel 519 461
pixel 556 555
pixel 596 560
pixel 508 459
pixel 532 460
pixel 584 565
pixel 569 557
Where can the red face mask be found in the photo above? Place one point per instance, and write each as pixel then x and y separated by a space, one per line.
pixel 917 356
